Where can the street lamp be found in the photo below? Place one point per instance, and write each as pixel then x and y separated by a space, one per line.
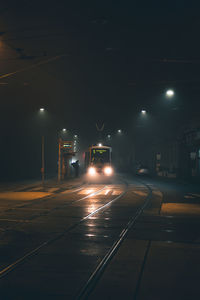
pixel 61 133
pixel 143 112
pixel 42 167
pixel 169 93
pixel 119 131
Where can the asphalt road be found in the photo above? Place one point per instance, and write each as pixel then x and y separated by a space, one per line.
pixel 127 239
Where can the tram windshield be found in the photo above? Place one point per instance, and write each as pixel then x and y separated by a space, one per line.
pixel 100 155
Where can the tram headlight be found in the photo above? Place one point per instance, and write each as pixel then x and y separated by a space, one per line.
pixel 108 171
pixel 91 171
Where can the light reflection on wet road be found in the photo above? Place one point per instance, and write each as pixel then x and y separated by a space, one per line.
pixel 60 268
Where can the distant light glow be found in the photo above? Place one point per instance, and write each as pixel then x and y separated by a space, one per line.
pixel 170 93
pixel 100 144
pixel 41 109
pixel 119 131
pixel 143 111
pixel 75 136
pixel 108 136
pixel 64 130
pixel 90 235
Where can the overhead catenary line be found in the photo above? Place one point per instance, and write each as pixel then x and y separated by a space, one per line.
pixel 162 82
pixel 32 66
pixel 179 61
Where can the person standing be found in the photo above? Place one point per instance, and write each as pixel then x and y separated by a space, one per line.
pixel 76 168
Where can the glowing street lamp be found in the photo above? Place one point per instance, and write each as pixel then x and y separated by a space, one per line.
pixel 64 130
pixel 119 131
pixel 143 112
pixel 169 93
pixel 42 109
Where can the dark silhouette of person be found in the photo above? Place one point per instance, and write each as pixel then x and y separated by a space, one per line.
pixel 76 168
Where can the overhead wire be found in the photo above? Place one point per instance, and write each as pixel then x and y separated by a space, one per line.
pixel 33 66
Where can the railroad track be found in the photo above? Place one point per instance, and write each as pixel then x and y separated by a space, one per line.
pixel 49 197
pixel 89 286
pixel 46 213
pixel 41 200
pixel 15 264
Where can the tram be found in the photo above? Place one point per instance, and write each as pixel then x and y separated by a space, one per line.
pixel 98 161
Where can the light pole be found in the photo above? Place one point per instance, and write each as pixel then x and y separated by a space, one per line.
pixel 59 158
pixel 42 110
pixel 64 130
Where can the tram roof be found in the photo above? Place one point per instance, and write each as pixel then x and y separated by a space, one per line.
pixel 100 147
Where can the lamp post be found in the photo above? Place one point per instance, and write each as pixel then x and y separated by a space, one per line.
pixel 64 130
pixel 59 159
pixel 42 169
pixel 42 110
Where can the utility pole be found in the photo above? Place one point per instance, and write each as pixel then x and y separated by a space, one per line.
pixel 59 158
pixel 42 169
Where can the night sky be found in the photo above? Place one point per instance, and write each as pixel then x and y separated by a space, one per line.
pixel 92 62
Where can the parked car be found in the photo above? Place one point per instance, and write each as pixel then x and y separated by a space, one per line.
pixel 142 171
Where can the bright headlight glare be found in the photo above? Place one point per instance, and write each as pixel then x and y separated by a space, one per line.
pixel 91 171
pixel 108 170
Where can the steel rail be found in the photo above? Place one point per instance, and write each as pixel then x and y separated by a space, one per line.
pixel 35 251
pixel 86 290
pixel 40 200
pixel 55 208
pixel 73 201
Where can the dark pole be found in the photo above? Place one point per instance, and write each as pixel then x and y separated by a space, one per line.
pixel 42 169
pixel 59 158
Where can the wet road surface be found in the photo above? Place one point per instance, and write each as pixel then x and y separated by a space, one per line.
pixel 101 241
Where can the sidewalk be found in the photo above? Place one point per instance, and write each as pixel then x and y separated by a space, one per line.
pixel 182 180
